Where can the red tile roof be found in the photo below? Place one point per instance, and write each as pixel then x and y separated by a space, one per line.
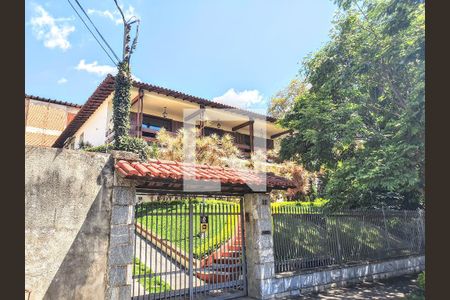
pixel 164 169
pixel 52 101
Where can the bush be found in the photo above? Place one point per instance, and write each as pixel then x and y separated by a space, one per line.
pixel 421 280
pixel 318 202
pixel 102 148
pixel 420 294
pixel 130 144
pixel 135 145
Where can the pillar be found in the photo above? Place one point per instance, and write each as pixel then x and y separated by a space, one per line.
pixel 259 245
pixel 121 242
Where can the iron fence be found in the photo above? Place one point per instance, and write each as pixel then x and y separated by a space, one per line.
pixel 309 238
pixel 189 247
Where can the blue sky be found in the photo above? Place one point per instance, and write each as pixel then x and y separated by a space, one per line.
pixel 240 52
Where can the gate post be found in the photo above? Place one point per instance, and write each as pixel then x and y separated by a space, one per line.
pixel 259 245
pixel 121 239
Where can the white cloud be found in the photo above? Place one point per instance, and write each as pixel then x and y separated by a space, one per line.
pixel 95 68
pixel 47 29
pixel 242 99
pixel 62 80
pixel 100 70
pixel 114 15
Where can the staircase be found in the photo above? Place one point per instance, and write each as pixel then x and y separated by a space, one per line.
pixel 225 264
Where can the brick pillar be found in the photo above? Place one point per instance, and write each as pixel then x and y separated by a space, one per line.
pixel 121 242
pixel 259 245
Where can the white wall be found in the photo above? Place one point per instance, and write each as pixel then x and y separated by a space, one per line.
pixel 95 127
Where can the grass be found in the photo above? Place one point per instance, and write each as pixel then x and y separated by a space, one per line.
pixel 153 284
pixel 175 226
pixel 319 202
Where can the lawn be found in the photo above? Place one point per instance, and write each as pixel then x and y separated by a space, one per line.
pixel 169 220
pixel 152 284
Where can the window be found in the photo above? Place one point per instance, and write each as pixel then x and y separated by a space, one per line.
pixel 155 124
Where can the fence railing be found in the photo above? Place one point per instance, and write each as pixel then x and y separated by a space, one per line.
pixel 308 237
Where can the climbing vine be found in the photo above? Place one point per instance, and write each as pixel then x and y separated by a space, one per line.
pixel 121 104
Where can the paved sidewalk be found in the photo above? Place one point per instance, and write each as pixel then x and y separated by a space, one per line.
pixel 393 288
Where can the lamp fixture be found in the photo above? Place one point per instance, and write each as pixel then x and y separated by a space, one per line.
pixel 164 113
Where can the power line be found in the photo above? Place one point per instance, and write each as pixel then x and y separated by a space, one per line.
pixel 95 27
pixel 114 62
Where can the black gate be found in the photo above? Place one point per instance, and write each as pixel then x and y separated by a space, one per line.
pixel 189 246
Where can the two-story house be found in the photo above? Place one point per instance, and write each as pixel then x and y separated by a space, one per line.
pixel 154 107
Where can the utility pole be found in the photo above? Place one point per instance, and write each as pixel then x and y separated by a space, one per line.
pixel 121 100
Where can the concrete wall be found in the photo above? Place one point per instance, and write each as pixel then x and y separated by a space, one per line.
pixel 285 285
pixel 67 223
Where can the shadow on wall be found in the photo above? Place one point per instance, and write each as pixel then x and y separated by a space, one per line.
pixel 67 223
pixel 82 273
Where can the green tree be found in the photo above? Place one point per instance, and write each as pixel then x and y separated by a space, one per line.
pixel 283 101
pixel 363 118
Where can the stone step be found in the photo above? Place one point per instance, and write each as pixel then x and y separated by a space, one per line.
pixel 227 260
pixel 217 277
pixel 234 248
pixel 217 267
pixel 231 254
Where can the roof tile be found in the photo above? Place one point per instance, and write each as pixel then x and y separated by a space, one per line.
pixel 176 170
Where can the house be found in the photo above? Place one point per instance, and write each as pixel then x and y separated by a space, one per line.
pixel 154 107
pixel 46 119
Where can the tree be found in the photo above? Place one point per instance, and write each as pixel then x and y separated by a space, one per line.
pixel 363 119
pixel 282 102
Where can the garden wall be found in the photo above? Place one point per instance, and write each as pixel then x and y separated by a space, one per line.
pixel 67 223
pixel 291 284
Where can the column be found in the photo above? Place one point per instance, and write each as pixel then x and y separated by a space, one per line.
pixel 259 245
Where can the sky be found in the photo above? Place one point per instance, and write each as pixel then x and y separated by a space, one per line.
pixel 238 52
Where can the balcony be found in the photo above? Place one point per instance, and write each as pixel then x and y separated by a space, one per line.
pixel 151 125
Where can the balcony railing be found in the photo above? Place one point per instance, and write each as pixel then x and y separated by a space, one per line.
pixel 242 141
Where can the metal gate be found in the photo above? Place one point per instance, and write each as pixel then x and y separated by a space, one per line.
pixel 189 246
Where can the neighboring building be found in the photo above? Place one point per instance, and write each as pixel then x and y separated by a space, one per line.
pixel 153 108
pixel 46 119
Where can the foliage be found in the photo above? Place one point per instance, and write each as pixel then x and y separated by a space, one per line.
pixel 135 145
pixel 102 148
pixel 283 100
pixel 318 202
pixel 211 150
pixel 121 105
pixel 419 294
pixel 421 280
pixel 362 120
pixel 152 284
pixel 130 144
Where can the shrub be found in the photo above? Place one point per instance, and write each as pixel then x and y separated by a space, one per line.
pixel 421 280
pixel 211 150
pixel 102 148
pixel 419 294
pixel 130 144
pixel 135 145
pixel 318 202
